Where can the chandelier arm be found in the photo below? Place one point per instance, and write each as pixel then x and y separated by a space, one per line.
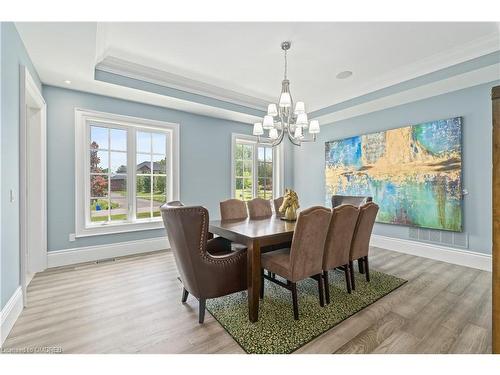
pixel 294 140
pixel 269 141
pixel 264 141
pixel 278 140
pixel 305 140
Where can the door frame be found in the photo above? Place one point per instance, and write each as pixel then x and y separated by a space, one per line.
pixel 30 95
pixel 495 97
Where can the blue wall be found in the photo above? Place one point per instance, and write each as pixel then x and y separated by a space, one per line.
pixel 473 104
pixel 13 55
pixel 205 160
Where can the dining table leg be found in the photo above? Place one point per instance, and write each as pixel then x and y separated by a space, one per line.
pixel 253 277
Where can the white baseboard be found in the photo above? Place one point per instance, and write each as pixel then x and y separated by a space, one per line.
pixel 446 254
pixel 93 253
pixel 10 313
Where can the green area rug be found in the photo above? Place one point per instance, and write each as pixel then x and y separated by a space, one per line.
pixel 277 331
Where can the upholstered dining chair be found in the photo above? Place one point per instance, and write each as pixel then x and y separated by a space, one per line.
pixel 338 244
pixel 202 274
pixel 233 209
pixel 305 257
pixel 357 201
pixel 218 245
pixel 361 240
pixel 259 208
pixel 277 204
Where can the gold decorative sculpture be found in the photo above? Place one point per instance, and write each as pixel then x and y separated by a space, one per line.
pixel 290 205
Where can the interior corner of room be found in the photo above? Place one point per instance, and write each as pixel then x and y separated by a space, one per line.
pixel 92 147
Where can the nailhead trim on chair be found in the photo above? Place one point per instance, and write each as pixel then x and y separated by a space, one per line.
pixel 203 253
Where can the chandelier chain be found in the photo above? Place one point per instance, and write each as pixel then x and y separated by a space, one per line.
pixel 286 63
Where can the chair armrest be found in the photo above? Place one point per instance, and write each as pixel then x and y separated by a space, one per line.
pixel 227 258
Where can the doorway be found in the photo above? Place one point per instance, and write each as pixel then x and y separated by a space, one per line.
pixel 32 180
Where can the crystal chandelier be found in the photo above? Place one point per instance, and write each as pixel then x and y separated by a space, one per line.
pixel 283 118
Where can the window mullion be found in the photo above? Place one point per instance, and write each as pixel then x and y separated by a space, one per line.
pixel 151 176
pixel 109 174
pixel 255 170
pixel 131 173
pixel 87 178
pixel 169 152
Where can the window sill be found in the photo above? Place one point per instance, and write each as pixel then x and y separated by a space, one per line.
pixel 123 227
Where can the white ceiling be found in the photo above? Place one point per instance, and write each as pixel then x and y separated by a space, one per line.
pixel 246 57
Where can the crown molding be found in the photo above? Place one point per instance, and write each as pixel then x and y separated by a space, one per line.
pixel 442 60
pixel 125 68
pixel 473 78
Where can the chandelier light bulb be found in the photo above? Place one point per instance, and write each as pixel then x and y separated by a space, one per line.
pixel 300 107
pixel 298 132
pixel 314 127
pixel 257 129
pixel 273 133
pixel 285 100
pixel 272 110
pixel 268 122
pixel 302 119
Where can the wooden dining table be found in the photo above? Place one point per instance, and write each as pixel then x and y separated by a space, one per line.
pixel 255 234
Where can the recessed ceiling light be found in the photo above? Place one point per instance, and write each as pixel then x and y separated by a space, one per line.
pixel 345 74
pixel 67 81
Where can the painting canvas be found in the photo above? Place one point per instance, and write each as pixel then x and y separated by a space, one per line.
pixel 413 173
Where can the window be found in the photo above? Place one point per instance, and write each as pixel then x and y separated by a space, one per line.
pixel 126 169
pixel 255 169
pixel 264 172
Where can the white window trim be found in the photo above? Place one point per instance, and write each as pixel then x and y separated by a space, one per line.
pixel 278 163
pixel 82 116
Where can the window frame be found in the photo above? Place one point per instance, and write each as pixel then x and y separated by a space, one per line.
pixel 83 226
pixel 278 161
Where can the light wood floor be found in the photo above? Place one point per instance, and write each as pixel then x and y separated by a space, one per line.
pixel 133 305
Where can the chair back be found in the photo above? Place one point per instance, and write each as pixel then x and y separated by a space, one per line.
pixel 259 208
pixel 233 209
pixel 308 243
pixel 364 226
pixel 187 229
pixel 339 238
pixel 176 204
pixel 277 204
pixel 357 201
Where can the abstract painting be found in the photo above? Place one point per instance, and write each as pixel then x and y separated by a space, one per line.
pixel 413 173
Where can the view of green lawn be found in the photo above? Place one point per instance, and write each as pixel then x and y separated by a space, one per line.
pixel 246 195
pixel 158 196
pixel 103 204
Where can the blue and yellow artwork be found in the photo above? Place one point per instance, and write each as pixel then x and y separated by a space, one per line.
pixel 413 173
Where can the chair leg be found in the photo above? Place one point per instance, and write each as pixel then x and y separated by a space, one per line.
pixel 202 310
pixel 321 291
pixel 327 287
pixel 361 265
pixel 353 284
pixel 261 283
pixel 185 294
pixel 295 301
pixel 347 270
pixel 367 268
